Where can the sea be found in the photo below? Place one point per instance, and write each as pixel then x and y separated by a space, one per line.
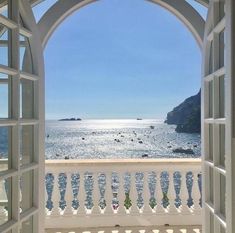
pixel 117 138
pixel 113 139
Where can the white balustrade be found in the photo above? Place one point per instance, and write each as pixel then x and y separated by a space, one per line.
pixel 166 210
pixel 69 195
pixel 171 193
pixel 196 195
pixel 184 192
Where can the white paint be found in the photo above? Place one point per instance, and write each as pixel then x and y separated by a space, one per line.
pixel 123 217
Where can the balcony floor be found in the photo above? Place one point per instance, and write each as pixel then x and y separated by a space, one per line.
pixel 157 229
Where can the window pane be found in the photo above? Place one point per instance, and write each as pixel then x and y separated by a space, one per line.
pixel 221 49
pixel 211 59
pixel 4 88
pixel 222 145
pixel 222 97
pixel 211 175
pixel 4 35
pixel 211 142
pixel 211 223
pixel 222 195
pixel 26 145
pixel 25 52
pixel 222 230
pixel 26 99
pixel 4 8
pixel 211 97
pixel 27 226
pixel 4 148
pixel 221 9
pixel 26 187
pixel 5 200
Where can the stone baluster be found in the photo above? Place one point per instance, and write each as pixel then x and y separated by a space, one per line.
pixel 160 208
pixel 184 192
pixel 121 194
pixel 4 201
pixel 196 192
pixel 55 196
pixel 146 194
pixel 82 195
pixel 133 194
pixel 108 193
pixel 96 193
pixel 171 193
pixel 68 195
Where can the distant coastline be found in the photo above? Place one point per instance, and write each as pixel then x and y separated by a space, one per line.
pixel 187 115
pixel 70 119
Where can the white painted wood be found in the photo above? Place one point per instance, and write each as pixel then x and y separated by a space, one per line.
pixel 61 10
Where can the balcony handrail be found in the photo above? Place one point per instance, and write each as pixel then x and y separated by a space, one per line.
pixel 89 170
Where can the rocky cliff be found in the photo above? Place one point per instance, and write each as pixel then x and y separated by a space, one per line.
pixel 187 115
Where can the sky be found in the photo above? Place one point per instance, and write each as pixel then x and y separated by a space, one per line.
pixel 119 59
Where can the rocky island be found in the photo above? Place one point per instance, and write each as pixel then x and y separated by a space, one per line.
pixel 71 119
pixel 187 115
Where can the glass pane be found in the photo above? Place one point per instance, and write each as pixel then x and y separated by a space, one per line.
pixel 211 223
pixel 221 9
pixel 222 195
pixel 27 226
pixel 211 59
pixel 211 97
pixel 25 52
pixel 222 230
pixel 26 145
pixel 5 203
pixel 4 88
pixel 222 97
pixel 222 145
pixel 4 8
pixel 210 142
pixel 221 49
pixel 26 187
pixel 4 36
pixel 211 176
pixel 26 99
pixel 4 148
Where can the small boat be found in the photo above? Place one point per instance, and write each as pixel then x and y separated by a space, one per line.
pixel 151 127
pixel 139 119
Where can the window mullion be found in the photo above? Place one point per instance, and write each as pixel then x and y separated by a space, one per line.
pixel 14 111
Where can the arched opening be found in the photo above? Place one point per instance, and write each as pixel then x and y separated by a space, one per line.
pixel 114 67
pixel 90 178
pixel 218 163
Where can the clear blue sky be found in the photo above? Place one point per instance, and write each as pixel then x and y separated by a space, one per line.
pixel 120 59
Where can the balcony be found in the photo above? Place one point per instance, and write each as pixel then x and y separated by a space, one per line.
pixel 133 195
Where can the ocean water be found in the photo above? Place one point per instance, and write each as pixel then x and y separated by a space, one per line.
pixel 88 139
